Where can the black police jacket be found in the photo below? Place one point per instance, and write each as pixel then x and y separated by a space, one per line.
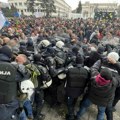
pixel 77 79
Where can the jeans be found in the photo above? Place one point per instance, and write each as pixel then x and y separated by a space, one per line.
pixel 22 116
pixel 28 108
pixel 70 105
pixel 109 112
pixel 85 104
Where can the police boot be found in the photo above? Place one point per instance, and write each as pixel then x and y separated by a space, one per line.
pixel 37 111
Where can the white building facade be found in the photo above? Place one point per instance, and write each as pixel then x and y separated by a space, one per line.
pixel 89 8
pixel 62 8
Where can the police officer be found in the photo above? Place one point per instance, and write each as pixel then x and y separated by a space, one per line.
pixel 43 45
pixel 60 56
pixel 77 78
pixel 10 76
pixel 44 81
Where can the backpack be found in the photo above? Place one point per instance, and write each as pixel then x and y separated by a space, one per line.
pixel 8 83
pixel 34 72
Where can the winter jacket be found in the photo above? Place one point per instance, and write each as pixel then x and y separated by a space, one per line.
pixel 116 73
pixel 93 57
pixel 101 95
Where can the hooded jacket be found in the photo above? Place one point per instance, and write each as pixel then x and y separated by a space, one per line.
pixel 101 93
pixel 115 68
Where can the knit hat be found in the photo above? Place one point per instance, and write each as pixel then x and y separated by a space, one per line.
pixel 6 51
pixel 106 74
pixel 113 55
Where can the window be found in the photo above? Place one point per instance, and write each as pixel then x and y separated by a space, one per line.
pixel 35 10
pixel 20 4
pixel 15 4
pixel 39 10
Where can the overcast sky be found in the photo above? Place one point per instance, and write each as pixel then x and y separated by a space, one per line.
pixel 74 3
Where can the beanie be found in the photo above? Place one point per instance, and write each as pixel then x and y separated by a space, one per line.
pixel 106 74
pixel 6 51
pixel 113 55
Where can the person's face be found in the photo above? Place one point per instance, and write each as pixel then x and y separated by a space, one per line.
pixel 6 40
pixel 81 32
pixel 85 40
pixel 13 43
pixel 32 34
pixel 20 60
pixel 9 31
pixel 109 35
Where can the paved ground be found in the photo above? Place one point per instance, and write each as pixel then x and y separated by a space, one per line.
pixel 118 108
pixel 58 113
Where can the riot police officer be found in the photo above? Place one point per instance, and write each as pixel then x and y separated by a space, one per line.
pixel 10 77
pixel 44 81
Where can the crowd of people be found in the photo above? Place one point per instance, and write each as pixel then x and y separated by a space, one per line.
pixel 57 61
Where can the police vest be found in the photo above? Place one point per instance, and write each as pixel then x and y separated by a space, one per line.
pixel 77 77
pixel 8 84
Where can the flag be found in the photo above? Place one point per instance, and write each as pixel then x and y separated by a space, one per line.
pixel 4 1
pixel 16 14
pixel 7 23
pixel 2 20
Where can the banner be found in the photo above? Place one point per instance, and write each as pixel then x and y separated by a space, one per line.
pixel 38 14
pixel 4 1
pixel 2 20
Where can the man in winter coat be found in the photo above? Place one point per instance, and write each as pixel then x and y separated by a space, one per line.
pixel 101 91
pixel 112 63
